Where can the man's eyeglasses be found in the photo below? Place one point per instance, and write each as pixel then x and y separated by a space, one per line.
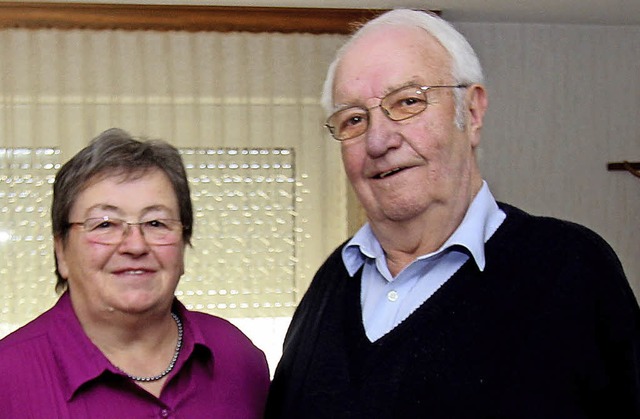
pixel 107 230
pixel 398 105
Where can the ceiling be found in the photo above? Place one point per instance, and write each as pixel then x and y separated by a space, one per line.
pixel 600 12
pixel 592 12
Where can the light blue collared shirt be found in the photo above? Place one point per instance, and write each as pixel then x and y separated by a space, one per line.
pixel 387 301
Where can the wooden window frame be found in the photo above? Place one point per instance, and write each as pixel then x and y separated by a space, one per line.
pixel 191 18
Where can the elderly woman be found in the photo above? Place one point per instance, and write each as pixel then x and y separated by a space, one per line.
pixel 118 344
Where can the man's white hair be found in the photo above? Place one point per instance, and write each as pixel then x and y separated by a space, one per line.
pixel 465 66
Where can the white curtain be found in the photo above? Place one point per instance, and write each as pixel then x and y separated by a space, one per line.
pixel 199 91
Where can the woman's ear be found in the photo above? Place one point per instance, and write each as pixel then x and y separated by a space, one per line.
pixel 63 268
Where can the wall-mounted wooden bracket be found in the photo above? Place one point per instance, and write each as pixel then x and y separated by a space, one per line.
pixel 631 167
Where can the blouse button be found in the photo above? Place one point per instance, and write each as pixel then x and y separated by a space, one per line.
pixel 392 296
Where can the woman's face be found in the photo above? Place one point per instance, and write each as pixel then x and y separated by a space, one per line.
pixel 131 276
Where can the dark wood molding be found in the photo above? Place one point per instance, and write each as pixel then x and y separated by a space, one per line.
pixel 631 167
pixel 97 16
pixel 625 165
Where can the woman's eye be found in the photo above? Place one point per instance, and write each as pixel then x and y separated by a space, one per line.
pixel 100 224
pixel 157 224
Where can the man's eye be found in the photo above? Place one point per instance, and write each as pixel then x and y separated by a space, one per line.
pixel 353 121
pixel 352 118
pixel 409 102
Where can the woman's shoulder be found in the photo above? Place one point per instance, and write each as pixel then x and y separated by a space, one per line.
pixel 218 332
pixel 29 334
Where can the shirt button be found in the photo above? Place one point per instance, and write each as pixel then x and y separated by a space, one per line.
pixel 392 296
pixel 164 413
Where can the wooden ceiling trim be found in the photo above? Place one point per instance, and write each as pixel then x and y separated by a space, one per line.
pixel 192 18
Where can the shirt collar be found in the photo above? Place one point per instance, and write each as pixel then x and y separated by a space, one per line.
pixel 482 219
pixel 81 361
pixel 195 343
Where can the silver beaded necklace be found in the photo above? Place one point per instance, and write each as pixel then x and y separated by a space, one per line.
pixel 173 360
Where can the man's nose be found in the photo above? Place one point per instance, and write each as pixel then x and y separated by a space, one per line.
pixel 382 133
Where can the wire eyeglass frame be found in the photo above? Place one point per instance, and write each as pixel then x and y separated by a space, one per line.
pixel 398 105
pixel 110 230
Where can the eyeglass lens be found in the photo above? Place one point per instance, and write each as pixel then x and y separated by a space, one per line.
pixel 112 231
pixel 398 105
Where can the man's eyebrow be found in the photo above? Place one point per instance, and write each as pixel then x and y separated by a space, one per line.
pixel 411 82
pixel 385 92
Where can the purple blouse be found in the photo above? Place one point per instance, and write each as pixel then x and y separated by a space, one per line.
pixel 50 369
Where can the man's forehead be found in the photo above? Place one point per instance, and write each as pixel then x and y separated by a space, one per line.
pixel 387 59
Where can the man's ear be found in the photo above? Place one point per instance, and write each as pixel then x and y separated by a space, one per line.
pixel 476 102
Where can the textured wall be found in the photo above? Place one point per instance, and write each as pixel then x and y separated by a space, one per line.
pixel 564 101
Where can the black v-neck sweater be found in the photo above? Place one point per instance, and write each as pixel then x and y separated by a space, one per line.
pixel 550 329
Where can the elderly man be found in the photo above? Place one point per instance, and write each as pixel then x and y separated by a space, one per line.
pixel 447 304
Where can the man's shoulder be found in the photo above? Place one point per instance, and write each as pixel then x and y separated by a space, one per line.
pixel 332 272
pixel 544 228
pixel 542 242
pixel 336 255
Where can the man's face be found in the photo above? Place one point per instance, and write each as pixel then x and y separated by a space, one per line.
pixel 405 170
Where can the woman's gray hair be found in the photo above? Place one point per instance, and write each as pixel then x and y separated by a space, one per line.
pixel 116 153
pixel 465 66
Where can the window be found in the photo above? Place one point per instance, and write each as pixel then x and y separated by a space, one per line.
pixel 27 277
pixel 243 262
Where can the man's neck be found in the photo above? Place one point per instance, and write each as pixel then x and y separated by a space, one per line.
pixel 405 240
